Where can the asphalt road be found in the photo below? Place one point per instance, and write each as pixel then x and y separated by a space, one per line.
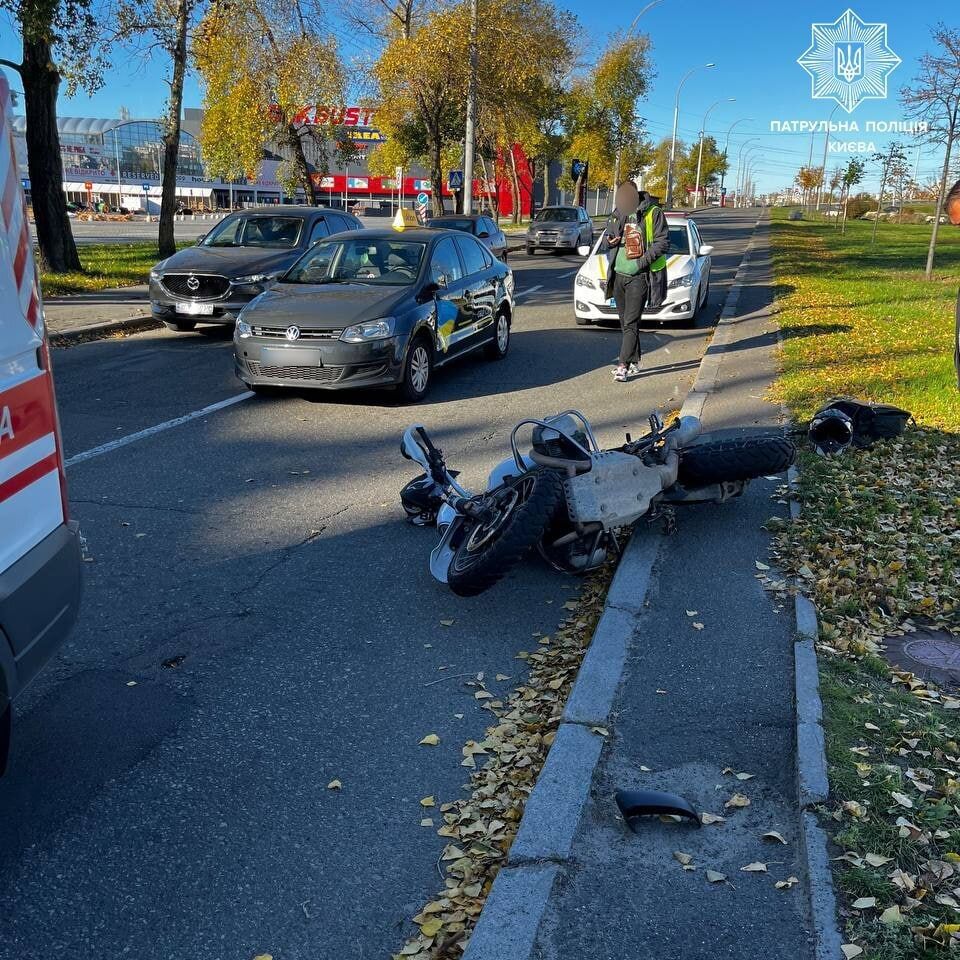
pixel 259 620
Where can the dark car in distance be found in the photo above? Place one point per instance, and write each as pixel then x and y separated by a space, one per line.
pixel 478 225
pixel 236 261
pixel 376 308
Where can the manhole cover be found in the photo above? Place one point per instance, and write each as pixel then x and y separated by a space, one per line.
pixel 930 654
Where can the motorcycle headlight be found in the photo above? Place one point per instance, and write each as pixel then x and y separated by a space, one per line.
pixel 583 281
pixel 372 330
pixel 257 278
pixel 683 281
pixel 244 329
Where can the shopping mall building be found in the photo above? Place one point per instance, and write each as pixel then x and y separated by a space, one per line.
pixel 119 162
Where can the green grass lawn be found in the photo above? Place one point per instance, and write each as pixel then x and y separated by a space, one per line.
pixel 877 547
pixel 105 265
pixel 860 319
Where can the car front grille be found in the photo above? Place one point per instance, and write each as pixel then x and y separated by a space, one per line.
pixel 548 236
pixel 280 333
pixel 277 372
pixel 196 286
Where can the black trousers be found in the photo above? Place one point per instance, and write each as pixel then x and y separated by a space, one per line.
pixel 631 294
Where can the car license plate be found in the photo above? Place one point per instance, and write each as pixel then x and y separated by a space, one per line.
pixel 612 302
pixel 196 309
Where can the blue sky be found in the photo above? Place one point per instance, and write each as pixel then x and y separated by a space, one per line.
pixel 754 43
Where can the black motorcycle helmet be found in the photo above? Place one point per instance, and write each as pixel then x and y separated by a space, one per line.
pixel 831 431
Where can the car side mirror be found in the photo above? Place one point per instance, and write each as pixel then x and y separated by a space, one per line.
pixel 706 249
pixel 583 250
pixel 428 291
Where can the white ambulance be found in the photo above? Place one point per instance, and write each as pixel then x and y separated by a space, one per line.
pixel 40 558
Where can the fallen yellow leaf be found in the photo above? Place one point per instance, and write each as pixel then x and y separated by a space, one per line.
pixel 430 740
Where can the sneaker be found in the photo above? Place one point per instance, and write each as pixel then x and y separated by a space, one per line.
pixel 633 370
pixel 620 374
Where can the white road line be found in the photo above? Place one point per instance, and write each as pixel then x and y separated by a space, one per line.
pixel 523 293
pixel 570 273
pixel 157 428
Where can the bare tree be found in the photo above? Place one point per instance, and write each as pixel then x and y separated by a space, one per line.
pixel 934 97
pixel 887 161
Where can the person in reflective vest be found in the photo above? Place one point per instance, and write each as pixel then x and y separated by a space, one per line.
pixel 637 276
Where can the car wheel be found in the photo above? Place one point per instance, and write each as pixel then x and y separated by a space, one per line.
pixel 500 344
pixel 530 250
pixel 180 326
pixel 417 371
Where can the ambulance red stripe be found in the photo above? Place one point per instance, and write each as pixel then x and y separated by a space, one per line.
pixel 29 410
pixel 23 479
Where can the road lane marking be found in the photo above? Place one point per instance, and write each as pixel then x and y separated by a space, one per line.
pixel 157 428
pixel 569 273
pixel 523 293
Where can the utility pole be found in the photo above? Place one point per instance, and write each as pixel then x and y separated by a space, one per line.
pixel 673 139
pixel 469 140
pixel 696 191
pixel 823 166
pixel 726 144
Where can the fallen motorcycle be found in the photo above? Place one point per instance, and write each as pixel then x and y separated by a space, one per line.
pixel 573 501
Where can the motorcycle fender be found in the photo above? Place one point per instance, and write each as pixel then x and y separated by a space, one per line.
pixel 445 516
pixel 504 469
pixel 442 554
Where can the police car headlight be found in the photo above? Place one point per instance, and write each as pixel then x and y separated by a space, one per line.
pixel 244 329
pixel 373 330
pixel 257 278
pixel 583 281
pixel 684 281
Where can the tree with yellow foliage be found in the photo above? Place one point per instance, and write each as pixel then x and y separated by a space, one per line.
pixel 262 68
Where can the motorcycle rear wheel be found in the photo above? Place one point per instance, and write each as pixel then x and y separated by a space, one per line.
pixel 735 459
pixel 486 554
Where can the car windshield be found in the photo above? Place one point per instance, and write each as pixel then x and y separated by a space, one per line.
pixel 465 225
pixel 384 262
pixel 557 215
pixel 255 231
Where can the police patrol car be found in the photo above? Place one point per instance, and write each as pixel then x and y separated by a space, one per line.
pixel 688 278
pixel 39 545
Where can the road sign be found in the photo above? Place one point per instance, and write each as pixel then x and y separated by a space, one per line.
pixel 146 187
pixel 577 168
pixel 456 179
pixel 88 185
pixel 398 173
pixel 422 199
pixel 723 191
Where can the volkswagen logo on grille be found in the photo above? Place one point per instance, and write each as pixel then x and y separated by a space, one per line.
pixel 193 283
pixel 293 333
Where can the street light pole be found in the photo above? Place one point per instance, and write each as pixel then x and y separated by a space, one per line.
pixel 736 202
pixel 468 147
pixel 726 144
pixel 696 191
pixel 823 166
pixel 742 189
pixel 619 158
pixel 673 139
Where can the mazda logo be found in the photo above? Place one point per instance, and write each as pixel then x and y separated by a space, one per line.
pixel 193 283
pixel 293 333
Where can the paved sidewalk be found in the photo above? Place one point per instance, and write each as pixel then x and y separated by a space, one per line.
pixel 66 315
pixel 692 703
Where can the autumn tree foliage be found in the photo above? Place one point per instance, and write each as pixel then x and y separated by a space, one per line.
pixel 261 64
pixel 422 82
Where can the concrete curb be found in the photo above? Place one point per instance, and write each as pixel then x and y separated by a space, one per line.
pixel 93 330
pixel 813 784
pixel 508 926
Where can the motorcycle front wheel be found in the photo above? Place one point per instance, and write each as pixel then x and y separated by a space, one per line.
pixel 734 459
pixel 486 552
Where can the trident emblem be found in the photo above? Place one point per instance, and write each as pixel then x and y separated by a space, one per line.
pixel 849 61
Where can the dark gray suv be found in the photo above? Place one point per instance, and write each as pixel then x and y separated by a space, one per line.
pixel 236 261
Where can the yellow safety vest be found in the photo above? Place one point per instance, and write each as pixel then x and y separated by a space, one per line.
pixel 661 262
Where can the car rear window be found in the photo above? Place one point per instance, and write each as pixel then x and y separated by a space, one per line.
pixel 466 226
pixel 255 231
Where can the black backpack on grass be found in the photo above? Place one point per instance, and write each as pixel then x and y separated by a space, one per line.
pixel 871 421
